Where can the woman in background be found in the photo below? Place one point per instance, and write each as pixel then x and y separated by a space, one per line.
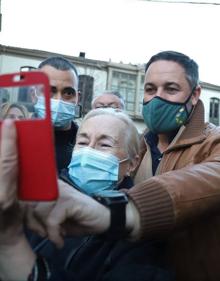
pixel 14 111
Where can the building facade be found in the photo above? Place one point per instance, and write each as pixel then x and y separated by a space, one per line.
pixel 96 76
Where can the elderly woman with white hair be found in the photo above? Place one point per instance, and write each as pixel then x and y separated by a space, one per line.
pixel 105 155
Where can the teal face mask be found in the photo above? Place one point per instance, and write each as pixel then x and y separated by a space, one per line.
pixel 163 116
pixel 62 113
pixel 94 171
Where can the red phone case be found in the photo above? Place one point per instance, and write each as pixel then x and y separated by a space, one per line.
pixel 37 169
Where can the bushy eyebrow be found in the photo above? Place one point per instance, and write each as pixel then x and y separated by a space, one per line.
pixel 167 84
pixel 64 89
pixel 149 84
pixel 71 89
pixel 172 84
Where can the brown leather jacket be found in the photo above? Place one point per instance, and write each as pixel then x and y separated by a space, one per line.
pixel 183 200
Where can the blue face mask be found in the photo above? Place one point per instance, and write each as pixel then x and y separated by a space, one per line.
pixel 93 171
pixel 62 113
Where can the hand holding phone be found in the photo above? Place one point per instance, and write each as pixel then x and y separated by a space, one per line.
pixel 19 92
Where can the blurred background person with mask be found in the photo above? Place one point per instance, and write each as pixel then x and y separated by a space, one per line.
pixel 14 111
pixel 108 99
pixel 63 78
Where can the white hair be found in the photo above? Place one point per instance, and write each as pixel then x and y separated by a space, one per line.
pixel 131 135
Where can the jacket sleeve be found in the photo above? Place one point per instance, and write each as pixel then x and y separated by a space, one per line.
pixel 176 198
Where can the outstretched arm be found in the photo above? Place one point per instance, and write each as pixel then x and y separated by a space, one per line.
pixel 76 214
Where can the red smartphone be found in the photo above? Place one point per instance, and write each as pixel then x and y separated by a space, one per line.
pixel 19 94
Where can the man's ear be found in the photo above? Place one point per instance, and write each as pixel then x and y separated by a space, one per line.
pixel 196 95
pixel 133 164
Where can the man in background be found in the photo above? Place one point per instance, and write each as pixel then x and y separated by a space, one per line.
pixel 63 78
pixel 109 99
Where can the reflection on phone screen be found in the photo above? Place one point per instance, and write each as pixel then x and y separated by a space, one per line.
pixel 20 103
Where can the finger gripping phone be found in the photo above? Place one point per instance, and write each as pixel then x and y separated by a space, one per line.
pixel 37 178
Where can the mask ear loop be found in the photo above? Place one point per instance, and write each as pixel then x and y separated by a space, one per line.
pixel 123 160
pixel 185 105
pixel 128 173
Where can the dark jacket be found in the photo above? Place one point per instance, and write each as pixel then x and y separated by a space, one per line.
pixel 64 143
pixel 95 258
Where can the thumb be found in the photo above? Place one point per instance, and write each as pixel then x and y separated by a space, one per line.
pixel 8 164
pixel 8 139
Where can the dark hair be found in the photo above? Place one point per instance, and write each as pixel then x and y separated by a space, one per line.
pixel 59 63
pixel 190 66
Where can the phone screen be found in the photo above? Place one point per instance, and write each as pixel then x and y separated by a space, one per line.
pixel 21 103
pixel 24 97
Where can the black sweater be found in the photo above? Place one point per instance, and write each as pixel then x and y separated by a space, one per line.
pixel 64 143
pixel 94 258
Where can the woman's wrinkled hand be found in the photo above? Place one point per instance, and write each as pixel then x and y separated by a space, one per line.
pixel 10 211
pixel 8 165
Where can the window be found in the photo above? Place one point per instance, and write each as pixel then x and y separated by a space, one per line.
pixel 125 84
pixel 141 94
pixel 214 111
pixel 4 95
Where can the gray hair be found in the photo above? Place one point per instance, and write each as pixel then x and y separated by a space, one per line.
pixel 111 92
pixel 131 135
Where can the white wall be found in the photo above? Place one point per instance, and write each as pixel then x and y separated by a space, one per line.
pixel 13 63
pixel 140 125
pixel 10 63
pixel 206 95
pixel 100 78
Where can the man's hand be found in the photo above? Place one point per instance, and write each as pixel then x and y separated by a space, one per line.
pixel 73 214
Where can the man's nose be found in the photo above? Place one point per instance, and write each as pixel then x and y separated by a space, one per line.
pixel 159 92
